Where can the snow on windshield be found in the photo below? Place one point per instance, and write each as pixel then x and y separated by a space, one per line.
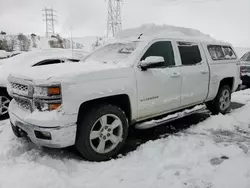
pixel 113 52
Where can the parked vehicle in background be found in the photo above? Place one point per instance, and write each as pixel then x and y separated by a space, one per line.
pixel 31 59
pixel 245 69
pixel 92 104
pixel 4 54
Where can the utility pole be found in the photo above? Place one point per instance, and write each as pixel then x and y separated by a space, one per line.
pixel 49 18
pixel 114 23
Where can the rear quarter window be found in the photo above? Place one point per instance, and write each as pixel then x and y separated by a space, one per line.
pixel 229 53
pixel 218 52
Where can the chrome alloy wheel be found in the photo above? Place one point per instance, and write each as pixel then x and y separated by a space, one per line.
pixel 106 133
pixel 4 104
pixel 225 100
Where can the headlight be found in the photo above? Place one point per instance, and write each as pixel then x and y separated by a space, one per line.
pixel 47 105
pixel 47 98
pixel 47 91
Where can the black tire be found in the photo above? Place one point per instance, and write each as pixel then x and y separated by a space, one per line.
pixel 248 85
pixel 4 93
pixel 83 143
pixel 215 105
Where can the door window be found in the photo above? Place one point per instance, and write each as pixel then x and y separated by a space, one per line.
pixel 163 49
pixel 190 53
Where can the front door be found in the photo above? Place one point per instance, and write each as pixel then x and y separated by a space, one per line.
pixel 159 88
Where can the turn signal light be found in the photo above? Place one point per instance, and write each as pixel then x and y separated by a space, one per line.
pixel 53 91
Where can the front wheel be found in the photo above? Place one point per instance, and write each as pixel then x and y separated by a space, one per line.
pixel 102 133
pixel 222 102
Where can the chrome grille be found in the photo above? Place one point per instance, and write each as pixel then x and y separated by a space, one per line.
pixel 20 89
pixel 23 103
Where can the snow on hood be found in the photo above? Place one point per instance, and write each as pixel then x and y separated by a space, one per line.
pixel 28 59
pixel 151 30
pixel 61 71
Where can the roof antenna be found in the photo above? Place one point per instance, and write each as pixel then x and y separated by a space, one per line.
pixel 140 36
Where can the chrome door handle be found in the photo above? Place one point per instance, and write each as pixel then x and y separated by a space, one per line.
pixel 175 75
pixel 204 72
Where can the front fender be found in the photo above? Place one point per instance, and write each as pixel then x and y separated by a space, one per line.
pixel 76 94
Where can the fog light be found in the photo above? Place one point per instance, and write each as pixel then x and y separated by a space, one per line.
pixel 43 135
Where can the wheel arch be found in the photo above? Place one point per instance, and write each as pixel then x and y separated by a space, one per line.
pixel 121 100
pixel 227 81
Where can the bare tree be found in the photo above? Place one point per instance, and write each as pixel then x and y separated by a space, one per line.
pixel 8 43
pixel 56 42
pixel 33 38
pixel 24 42
pixel 2 33
pixel 60 41
pixel 98 42
pixel 11 42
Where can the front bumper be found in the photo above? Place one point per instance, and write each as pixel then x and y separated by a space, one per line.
pixel 61 136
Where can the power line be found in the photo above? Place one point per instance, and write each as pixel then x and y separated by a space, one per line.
pixel 49 18
pixel 114 23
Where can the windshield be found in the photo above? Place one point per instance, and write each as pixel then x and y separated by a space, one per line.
pixel 245 57
pixel 113 52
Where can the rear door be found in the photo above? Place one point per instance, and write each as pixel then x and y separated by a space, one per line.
pixel 195 73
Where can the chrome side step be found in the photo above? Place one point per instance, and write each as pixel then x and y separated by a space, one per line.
pixel 171 117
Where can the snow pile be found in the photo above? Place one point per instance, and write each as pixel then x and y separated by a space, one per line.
pixel 162 30
pixel 212 154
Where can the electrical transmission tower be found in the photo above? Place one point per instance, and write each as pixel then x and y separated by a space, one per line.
pixel 114 23
pixel 49 18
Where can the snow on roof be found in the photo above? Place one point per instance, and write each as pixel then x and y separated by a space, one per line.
pixel 157 31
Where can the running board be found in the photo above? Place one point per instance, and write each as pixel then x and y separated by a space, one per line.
pixel 171 117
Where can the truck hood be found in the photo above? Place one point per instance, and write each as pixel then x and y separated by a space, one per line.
pixel 66 72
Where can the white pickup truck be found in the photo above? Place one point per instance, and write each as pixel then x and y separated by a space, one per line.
pixel 93 103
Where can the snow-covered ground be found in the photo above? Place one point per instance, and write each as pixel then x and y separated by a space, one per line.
pixel 212 154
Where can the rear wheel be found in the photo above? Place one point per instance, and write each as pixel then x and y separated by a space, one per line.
pixel 221 103
pixel 102 133
pixel 248 85
pixel 4 103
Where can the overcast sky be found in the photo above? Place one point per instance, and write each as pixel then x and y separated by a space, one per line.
pixel 227 20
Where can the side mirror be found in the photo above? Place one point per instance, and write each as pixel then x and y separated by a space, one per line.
pixel 152 62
